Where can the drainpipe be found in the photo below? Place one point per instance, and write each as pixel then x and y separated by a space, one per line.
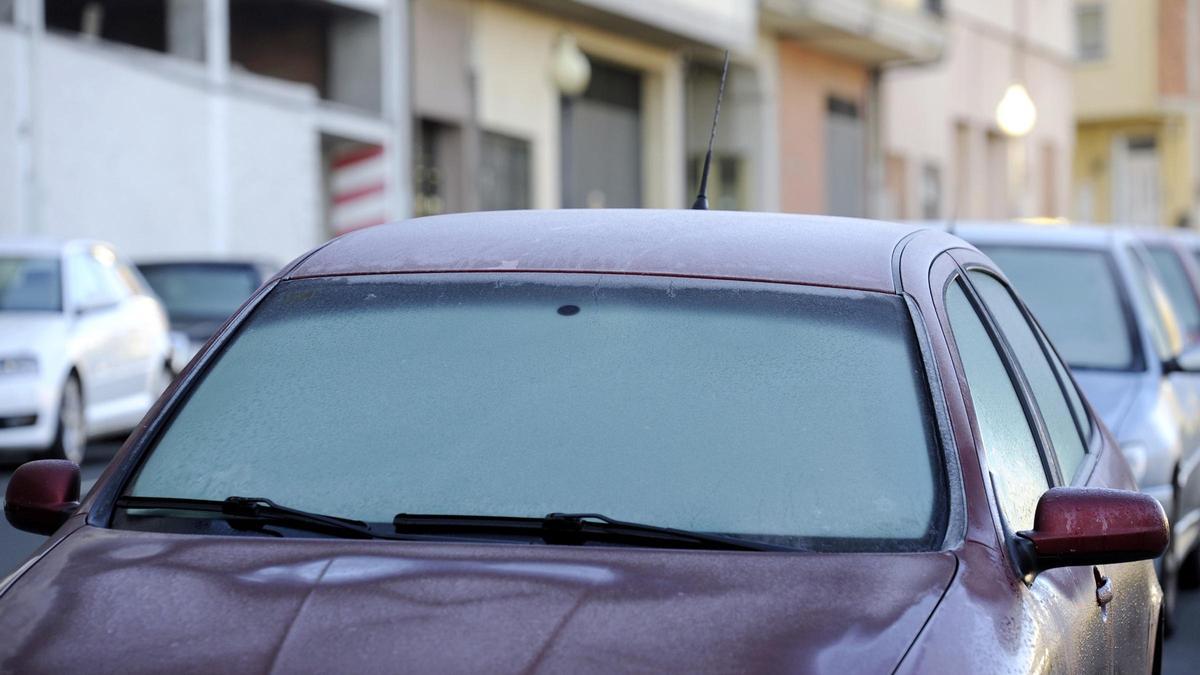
pixel 29 16
pixel 875 160
pixel 397 105
pixel 472 146
pixel 216 61
pixel 1192 72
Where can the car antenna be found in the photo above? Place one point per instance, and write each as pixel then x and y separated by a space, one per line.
pixel 701 203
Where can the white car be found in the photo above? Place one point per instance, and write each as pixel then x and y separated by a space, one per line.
pixel 84 347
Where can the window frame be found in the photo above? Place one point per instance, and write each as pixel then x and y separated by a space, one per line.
pixel 1099 52
pixel 944 454
pixel 1084 428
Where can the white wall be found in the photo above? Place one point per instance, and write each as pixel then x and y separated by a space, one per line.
pixel 923 105
pixel 10 216
pixel 122 143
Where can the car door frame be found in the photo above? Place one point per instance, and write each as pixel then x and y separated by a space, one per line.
pixel 1067 595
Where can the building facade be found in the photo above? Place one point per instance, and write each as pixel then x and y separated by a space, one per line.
pixel 495 128
pixel 945 153
pixel 1138 154
pixel 829 59
pixel 184 127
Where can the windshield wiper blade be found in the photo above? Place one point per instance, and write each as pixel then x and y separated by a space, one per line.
pixel 587 525
pixel 577 528
pixel 260 511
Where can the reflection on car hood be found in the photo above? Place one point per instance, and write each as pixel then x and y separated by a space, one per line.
pixel 173 603
pixel 1111 394
pixel 29 332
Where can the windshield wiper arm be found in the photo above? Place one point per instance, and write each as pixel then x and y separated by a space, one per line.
pixel 260 511
pixel 575 529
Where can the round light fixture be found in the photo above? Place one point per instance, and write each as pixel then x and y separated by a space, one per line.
pixel 1016 114
pixel 570 67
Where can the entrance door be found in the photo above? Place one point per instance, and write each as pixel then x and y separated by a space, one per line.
pixel 845 160
pixel 601 141
pixel 1135 180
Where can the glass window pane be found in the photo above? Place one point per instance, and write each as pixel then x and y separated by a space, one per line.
pixel 1051 399
pixel 1075 296
pixel 1178 287
pixel 30 284
pixel 728 408
pixel 201 291
pixel 1153 302
pixel 1011 454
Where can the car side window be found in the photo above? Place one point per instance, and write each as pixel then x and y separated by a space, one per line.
pixel 1164 327
pixel 1178 287
pixel 83 284
pixel 1076 399
pixel 1044 383
pixel 105 264
pixel 1011 454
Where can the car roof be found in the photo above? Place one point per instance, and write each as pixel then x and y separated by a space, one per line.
pixel 825 251
pixel 1058 234
pixel 45 246
pixel 203 262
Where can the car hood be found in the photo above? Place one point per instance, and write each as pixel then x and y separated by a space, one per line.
pixel 30 332
pixel 175 603
pixel 1112 393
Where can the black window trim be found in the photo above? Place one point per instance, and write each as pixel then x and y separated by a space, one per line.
pixel 950 503
pixel 1050 355
pixel 1033 416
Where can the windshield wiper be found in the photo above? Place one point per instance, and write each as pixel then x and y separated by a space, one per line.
pixel 576 529
pixel 261 511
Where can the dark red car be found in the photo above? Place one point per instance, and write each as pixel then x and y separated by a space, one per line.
pixel 605 441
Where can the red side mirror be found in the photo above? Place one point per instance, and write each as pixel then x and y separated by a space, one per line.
pixel 1093 526
pixel 41 495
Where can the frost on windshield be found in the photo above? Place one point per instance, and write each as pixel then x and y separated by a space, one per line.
pixel 760 411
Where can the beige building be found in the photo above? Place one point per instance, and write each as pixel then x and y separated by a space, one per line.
pixel 946 156
pixel 496 127
pixel 828 57
pixel 1137 158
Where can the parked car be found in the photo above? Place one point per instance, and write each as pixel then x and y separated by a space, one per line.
pixel 1095 291
pixel 200 295
pixel 83 346
pixel 1178 270
pixel 600 441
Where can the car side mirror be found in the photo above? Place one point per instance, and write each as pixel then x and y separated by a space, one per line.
pixel 1092 526
pixel 1187 362
pixel 41 495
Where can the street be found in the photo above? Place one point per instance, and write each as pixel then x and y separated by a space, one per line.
pixel 1182 655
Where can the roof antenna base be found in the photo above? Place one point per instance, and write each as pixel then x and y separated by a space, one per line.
pixel 701 203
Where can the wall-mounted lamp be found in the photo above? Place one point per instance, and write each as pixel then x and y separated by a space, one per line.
pixel 1015 113
pixel 569 66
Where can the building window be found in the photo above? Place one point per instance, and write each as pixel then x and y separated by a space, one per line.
pixel 1049 180
pixel 334 49
pixel 7 11
pixel 140 23
pixel 602 140
pixel 438 168
pixel 931 191
pixel 936 7
pixel 504 181
pixel 1090 32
